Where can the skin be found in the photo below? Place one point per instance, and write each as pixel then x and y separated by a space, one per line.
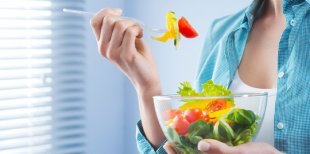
pixel 120 41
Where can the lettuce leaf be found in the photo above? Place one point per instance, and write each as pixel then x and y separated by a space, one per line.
pixel 208 89
pixel 187 90
pixel 211 89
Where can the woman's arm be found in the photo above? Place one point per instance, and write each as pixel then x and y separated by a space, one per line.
pixel 120 41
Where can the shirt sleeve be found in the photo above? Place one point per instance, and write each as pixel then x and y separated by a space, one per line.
pixel 144 145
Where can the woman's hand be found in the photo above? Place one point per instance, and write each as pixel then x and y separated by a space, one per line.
pixel 120 41
pixel 215 147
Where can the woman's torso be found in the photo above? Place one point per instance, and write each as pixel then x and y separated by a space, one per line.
pixel 222 54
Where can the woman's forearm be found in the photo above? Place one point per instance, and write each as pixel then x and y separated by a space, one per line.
pixel 120 41
pixel 149 120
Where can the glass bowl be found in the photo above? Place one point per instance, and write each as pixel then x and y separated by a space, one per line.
pixel 234 119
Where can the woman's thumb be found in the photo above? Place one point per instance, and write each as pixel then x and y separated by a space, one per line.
pixel 214 146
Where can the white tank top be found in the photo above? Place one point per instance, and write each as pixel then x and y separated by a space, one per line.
pixel 266 133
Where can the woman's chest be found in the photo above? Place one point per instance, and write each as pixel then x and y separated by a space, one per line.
pixel 258 66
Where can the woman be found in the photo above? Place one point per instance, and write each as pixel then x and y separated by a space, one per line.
pixel 264 47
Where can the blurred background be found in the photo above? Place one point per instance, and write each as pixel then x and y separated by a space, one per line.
pixel 57 95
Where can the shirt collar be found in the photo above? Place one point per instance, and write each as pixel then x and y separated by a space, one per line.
pixel 256 6
pixel 294 2
pixel 252 10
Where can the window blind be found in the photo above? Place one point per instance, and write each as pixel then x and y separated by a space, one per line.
pixel 41 77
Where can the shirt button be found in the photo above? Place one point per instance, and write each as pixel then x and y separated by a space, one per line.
pixel 293 22
pixel 281 74
pixel 280 125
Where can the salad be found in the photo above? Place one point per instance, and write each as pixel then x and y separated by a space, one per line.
pixel 176 28
pixel 217 119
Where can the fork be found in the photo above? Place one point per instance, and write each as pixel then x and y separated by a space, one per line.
pixel 91 14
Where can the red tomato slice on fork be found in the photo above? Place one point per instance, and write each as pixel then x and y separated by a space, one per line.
pixel 186 28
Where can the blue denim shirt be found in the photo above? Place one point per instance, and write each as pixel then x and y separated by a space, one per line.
pixel 222 54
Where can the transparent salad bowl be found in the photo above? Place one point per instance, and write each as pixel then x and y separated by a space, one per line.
pixel 234 119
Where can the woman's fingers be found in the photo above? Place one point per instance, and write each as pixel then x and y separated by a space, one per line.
pixel 108 26
pixel 113 32
pixel 131 34
pixel 119 30
pixel 96 21
pixel 169 149
pixel 216 147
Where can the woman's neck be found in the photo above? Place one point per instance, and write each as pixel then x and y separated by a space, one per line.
pixel 273 8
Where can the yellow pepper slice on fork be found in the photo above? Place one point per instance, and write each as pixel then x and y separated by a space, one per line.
pixel 172 30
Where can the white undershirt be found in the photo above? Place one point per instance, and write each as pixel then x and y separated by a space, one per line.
pixel 266 133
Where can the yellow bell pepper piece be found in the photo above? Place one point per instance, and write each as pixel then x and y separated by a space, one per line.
pixel 163 38
pixel 172 29
pixel 195 104
pixel 219 113
pixel 172 25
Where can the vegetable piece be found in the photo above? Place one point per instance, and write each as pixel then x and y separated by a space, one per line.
pixel 200 128
pixel 186 29
pixel 163 38
pixel 180 124
pixel 209 89
pixel 172 30
pixel 242 116
pixel 223 132
pixel 177 38
pixel 173 136
pixel 186 147
pixel 219 113
pixel 200 104
pixel 218 104
pixel 172 24
pixel 192 115
pixel 170 114
pixel 187 90
pixel 245 135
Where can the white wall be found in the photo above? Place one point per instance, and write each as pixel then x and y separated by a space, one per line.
pixel 112 104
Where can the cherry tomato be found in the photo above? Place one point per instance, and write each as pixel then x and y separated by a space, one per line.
pixel 170 114
pixel 186 29
pixel 216 105
pixel 180 124
pixel 192 115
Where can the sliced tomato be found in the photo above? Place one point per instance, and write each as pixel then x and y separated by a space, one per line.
pixel 216 105
pixel 186 29
pixel 180 124
pixel 192 115
pixel 170 114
